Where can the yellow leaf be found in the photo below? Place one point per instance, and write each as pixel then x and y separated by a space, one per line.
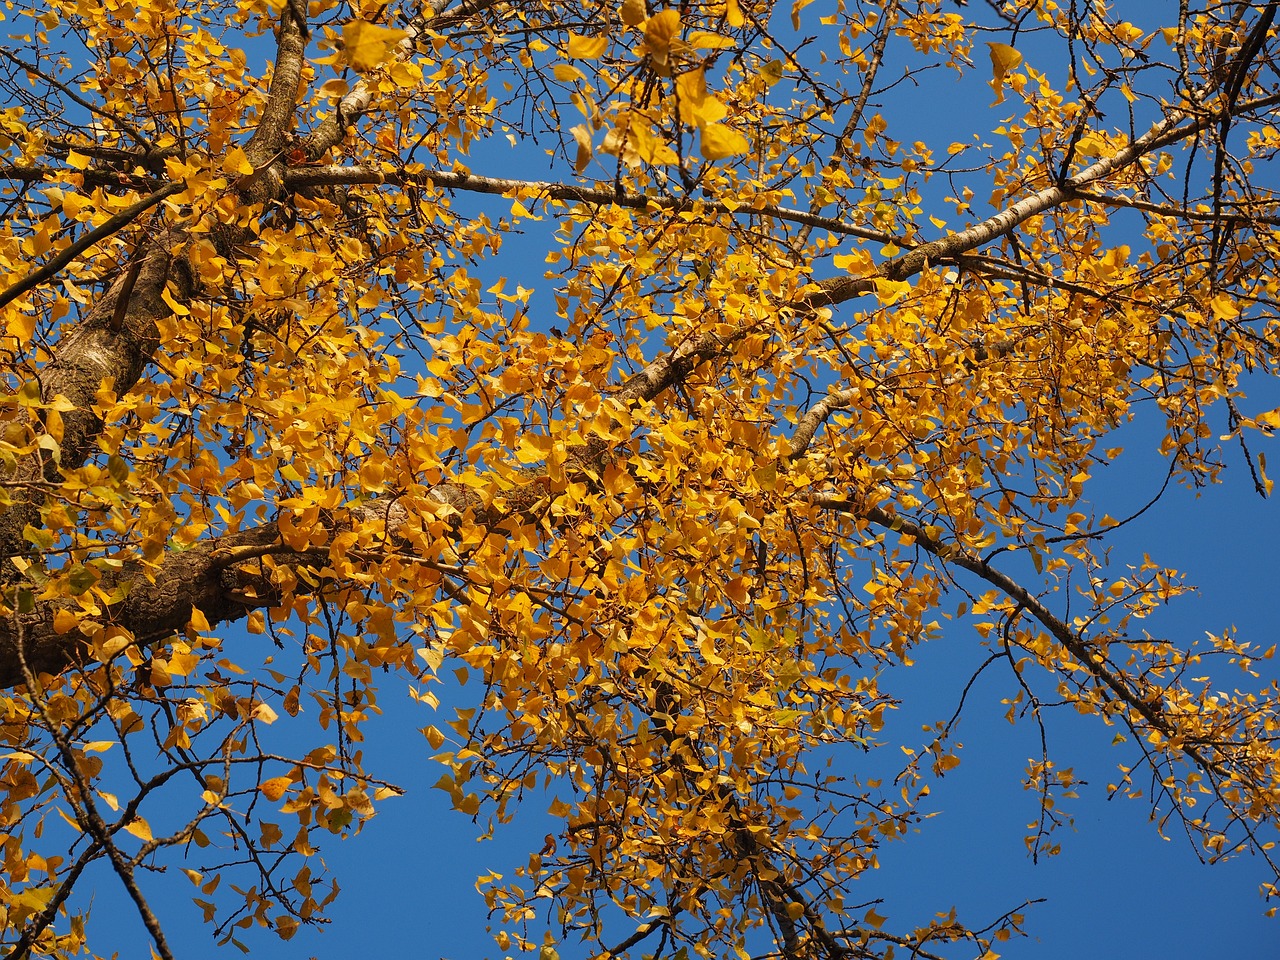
pixel 1003 59
pixel 702 40
pixel 98 746
pixel 139 828
pixel 733 14
pixel 236 163
pixel 72 204
pixel 1223 307
pixel 719 141
pixel 889 292
pixel 274 788
pixel 587 48
pixel 286 926
pixel 334 88
pixel 366 45
pixel 634 12
pixel 566 72
pixel 198 620
pixel 582 136
pixel 64 621
pixel 697 107
pixel 660 32
pixel 531 449
pixel 634 138
pixel 77 160
pixel 21 326
pixel 264 714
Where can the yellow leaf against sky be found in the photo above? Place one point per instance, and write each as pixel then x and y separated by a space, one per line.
pixel 275 788
pixel 1004 59
pixel 139 828
pixel 587 48
pixel 697 105
pixel 367 45
pixel 660 33
pixel 719 141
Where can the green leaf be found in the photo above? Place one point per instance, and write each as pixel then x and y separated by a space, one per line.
pixel 80 578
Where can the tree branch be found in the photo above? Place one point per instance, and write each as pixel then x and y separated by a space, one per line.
pixel 49 269
pixel 105 347
pixel 338 175
pixel 1171 129
pixel 282 97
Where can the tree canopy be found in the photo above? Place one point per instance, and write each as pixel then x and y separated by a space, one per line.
pixel 658 371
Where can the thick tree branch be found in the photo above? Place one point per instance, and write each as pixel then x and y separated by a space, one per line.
pixel 282 97
pixel 110 346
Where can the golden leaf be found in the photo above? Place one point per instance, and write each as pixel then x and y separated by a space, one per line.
pixel 264 714
pixel 634 12
pixel 582 136
pixel 275 788
pixel 1004 58
pixel 719 141
pixel 139 828
pixel 587 48
pixel 367 45
pixel 199 621
pixel 697 106
pixel 701 40
pixel 236 163
pixel 661 32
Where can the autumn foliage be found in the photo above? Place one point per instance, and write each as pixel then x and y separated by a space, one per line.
pixel 791 383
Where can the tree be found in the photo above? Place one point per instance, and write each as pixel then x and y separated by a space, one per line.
pixel 284 420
